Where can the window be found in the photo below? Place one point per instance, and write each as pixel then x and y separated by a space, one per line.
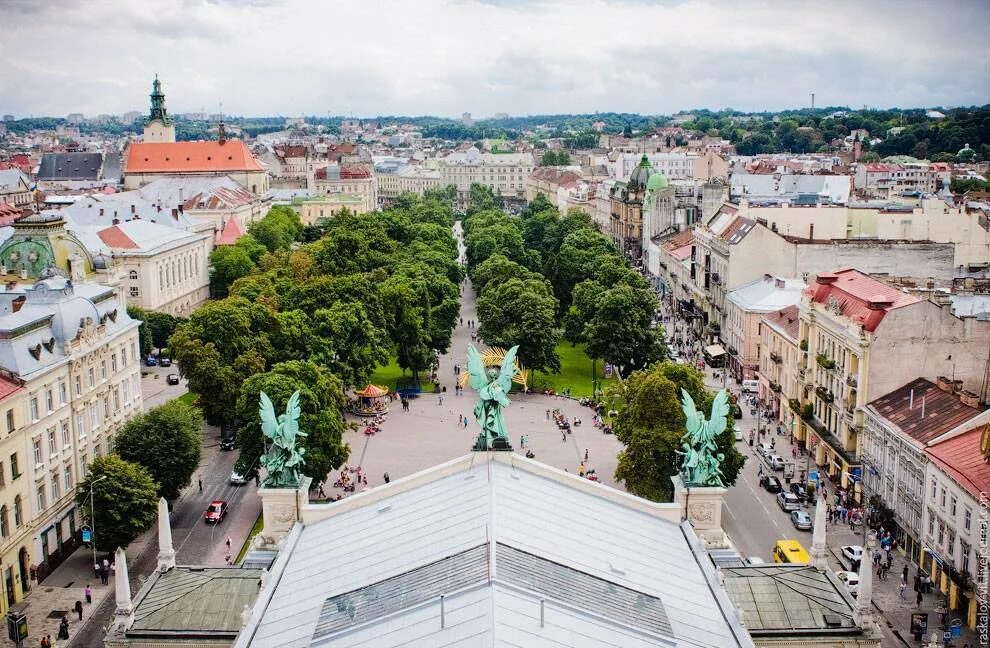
pixel 51 443
pixel 42 499
pixel 83 465
pixel 943 498
pixel 964 560
pixel 934 489
pixel 10 421
pixel 81 425
pixel 126 386
pixel 952 506
pixel 941 532
pixel 14 471
pixel 103 369
pixel 50 400
pixel 106 407
pixel 62 393
pixel 18 512
pixel 968 519
pixel 92 377
pixel 37 451
pixel 4 522
pixel 931 524
pixel 950 545
pixel 116 399
pixel 55 486
pixel 123 356
pixel 94 416
pixel 113 363
pixel 132 275
pixel 34 408
pixel 67 474
pixel 66 436
pixel 78 385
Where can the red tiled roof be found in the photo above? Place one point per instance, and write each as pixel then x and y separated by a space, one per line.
pixel 354 173
pixel 786 320
pixel 881 168
pixel 8 214
pixel 115 238
pixel 863 299
pixel 190 157
pixel 961 458
pixel 232 230
pixel 8 387
pixel 943 411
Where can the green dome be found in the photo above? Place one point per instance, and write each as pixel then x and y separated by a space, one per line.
pixel 640 175
pixel 657 182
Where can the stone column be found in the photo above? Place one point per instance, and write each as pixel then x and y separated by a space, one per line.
pixel 123 615
pixel 166 553
pixel 702 507
pixel 819 551
pixel 280 508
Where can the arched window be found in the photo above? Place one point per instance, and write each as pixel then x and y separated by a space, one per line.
pixel 4 522
pixel 133 275
pixel 18 512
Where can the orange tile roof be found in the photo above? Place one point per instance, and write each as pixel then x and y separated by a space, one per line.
pixel 8 387
pixel 943 411
pixel 190 157
pixel 232 230
pixel 116 238
pixel 855 292
pixel 786 320
pixel 961 458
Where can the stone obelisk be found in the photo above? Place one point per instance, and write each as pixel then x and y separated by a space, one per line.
pixel 123 615
pixel 166 553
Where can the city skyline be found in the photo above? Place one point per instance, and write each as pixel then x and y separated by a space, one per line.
pixel 269 57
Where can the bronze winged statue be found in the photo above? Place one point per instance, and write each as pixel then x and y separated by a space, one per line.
pixel 282 461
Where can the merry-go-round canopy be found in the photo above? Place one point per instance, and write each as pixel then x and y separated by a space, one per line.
pixel 372 391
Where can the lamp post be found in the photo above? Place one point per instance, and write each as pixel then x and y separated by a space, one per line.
pixel 92 512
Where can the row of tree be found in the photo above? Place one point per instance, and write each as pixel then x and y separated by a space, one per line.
pixel 541 276
pixel 319 316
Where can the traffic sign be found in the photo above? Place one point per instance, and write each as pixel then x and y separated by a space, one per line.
pixel 87 535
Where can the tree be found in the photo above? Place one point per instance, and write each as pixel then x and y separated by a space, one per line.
pixel 619 329
pixel 650 424
pixel 523 312
pixel 496 270
pixel 278 229
pixel 144 331
pixel 162 326
pixel 321 400
pixel 228 263
pixel 408 324
pixel 125 503
pixel 346 341
pixel 166 440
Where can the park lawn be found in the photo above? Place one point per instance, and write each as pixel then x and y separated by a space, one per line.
pixel 575 373
pixel 255 530
pixel 388 375
pixel 188 398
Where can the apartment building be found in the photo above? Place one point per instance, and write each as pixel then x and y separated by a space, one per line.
pixel 505 173
pixel 393 180
pixel 356 181
pixel 778 368
pixel 745 308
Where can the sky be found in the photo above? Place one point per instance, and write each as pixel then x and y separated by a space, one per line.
pixel 446 57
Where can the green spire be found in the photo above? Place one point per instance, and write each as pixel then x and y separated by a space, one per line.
pixel 158 110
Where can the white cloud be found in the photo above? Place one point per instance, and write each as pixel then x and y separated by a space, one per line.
pixel 267 57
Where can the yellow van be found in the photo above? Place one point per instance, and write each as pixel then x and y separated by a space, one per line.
pixel 790 551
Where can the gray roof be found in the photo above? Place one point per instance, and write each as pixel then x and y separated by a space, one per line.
pixel 70 166
pixel 199 600
pixel 11 180
pixel 495 535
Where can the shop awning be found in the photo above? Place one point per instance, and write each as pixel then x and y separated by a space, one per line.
pixel 372 391
pixel 714 350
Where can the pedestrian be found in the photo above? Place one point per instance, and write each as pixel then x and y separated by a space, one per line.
pixel 227 558
pixel 89 593
pixel 78 609
pixel 920 596
pixel 104 576
pixel 228 542
pixel 460 419
pixel 63 628
pixel 257 480
pixel 387 478
pixel 563 437
pixel 200 485
pixel 96 570
pixel 586 455
pixel 581 470
pixel 440 402
pixel 904 574
pixel 548 415
pixel 900 590
pixel 45 642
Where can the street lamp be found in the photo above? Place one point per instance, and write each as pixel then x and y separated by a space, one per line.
pixel 92 512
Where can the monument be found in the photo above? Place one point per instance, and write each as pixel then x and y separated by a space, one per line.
pixel 698 486
pixel 284 488
pixel 491 374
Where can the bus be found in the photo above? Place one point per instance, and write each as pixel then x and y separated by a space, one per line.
pixel 790 551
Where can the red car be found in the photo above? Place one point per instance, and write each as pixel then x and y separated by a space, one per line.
pixel 215 511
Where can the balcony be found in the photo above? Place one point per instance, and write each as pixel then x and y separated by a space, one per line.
pixel 825 362
pixel 824 394
pixel 852 381
pixel 775 387
pixel 716 279
pixel 775 357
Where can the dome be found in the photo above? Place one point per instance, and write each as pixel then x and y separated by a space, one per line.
pixel 71 314
pixel 102 262
pixel 965 152
pixel 640 175
pixel 657 182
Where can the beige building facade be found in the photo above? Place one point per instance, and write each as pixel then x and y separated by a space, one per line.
pixel 779 361
pixel 505 173
pixel 407 179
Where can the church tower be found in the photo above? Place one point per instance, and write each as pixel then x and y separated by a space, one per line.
pixel 159 127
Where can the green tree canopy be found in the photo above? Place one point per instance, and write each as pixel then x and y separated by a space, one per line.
pixel 125 503
pixel 144 331
pixel 228 263
pixel 167 441
pixel 523 312
pixel 279 228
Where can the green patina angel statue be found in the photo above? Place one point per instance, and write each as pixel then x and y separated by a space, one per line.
pixel 493 385
pixel 701 465
pixel 283 460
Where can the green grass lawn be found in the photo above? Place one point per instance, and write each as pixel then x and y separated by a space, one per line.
pixel 388 375
pixel 575 372
pixel 188 398
pixel 255 530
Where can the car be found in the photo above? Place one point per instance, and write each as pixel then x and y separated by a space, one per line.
pixel 755 560
pixel 851 555
pixel 800 491
pixel 172 379
pixel 763 448
pixel 850 580
pixel 801 520
pixel 776 462
pixel 238 479
pixel 151 361
pixel 165 362
pixel 227 443
pixel 750 386
pixel 215 511
pixel 787 501
pixel 736 411
pixel 771 484
pixel 738 432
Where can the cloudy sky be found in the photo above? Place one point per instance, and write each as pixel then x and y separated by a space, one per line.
pixel 445 57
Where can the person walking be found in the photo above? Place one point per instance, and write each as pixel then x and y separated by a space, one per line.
pixel 78 609
pixel 440 401
pixel 585 455
pixel 200 484
pixel 900 591
pixel 228 537
pixel 89 593
pixel 63 628
pixel 46 642
pixel 920 597
pixel 387 478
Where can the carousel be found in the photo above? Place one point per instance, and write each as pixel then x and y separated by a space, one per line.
pixel 369 401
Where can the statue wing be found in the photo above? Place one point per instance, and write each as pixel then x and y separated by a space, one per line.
pixel 720 409
pixel 269 421
pixel 690 411
pixel 509 369
pixel 475 369
pixel 292 412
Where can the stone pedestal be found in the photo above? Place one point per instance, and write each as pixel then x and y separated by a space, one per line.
pixel 280 508
pixel 702 507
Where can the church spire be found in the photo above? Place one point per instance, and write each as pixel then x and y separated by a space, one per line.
pixel 158 110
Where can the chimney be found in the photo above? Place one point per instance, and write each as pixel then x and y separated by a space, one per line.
pixel 175 214
pixel 159 207
pixel 911 401
pixel 133 207
pixel 922 407
pixel 116 221
pixel 969 398
pixel 944 384
pixel 101 211
pixel 181 209
pixel 957 386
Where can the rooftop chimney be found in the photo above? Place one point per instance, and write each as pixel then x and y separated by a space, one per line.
pixel 133 208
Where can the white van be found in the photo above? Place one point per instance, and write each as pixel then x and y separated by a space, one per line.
pixel 750 386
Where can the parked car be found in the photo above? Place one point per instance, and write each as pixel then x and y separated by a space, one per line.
pixel 750 386
pixel 227 443
pixel 172 379
pixel 776 462
pixel 788 501
pixel 215 511
pixel 151 361
pixel 800 491
pixel 738 432
pixel 771 484
pixel 850 580
pixel 851 555
pixel 763 448
pixel 755 560
pixel 165 362
pixel 736 411
pixel 237 479
pixel 801 520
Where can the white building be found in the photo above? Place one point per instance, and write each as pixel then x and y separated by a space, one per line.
pixel 745 307
pixel 505 173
